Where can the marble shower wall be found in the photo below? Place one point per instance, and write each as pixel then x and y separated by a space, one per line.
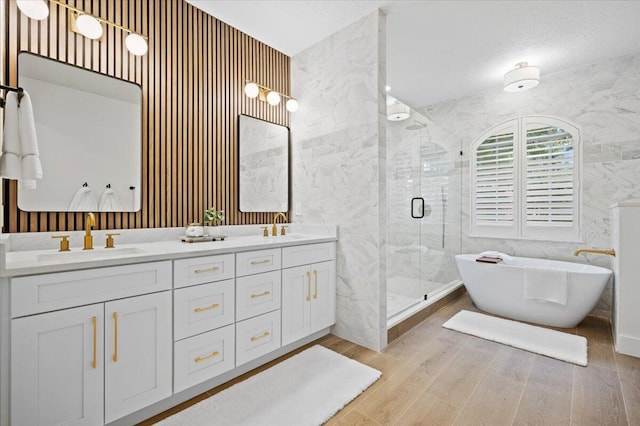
pixel 604 100
pixel 338 152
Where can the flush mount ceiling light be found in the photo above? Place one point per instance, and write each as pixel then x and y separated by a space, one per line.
pixel 398 112
pixel 84 23
pixel 522 77
pixel 34 9
pixel 265 94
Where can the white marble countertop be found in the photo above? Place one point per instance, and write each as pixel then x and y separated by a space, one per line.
pixel 28 258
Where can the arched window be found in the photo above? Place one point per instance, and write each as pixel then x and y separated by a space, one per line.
pixel 525 180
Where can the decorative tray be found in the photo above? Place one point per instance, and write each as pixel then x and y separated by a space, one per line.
pixel 202 239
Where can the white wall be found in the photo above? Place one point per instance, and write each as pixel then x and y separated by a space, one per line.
pixel 604 100
pixel 338 148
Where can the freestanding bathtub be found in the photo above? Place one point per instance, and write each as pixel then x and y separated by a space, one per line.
pixel 499 289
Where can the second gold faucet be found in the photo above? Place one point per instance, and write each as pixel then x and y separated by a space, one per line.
pixel 89 222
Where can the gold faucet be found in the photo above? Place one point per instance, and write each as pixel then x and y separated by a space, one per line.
pixel 610 252
pixel 90 222
pixel 274 229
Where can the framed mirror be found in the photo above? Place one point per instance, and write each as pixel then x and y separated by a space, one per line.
pixel 263 166
pixel 89 136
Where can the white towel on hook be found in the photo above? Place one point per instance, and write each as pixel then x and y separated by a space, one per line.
pixel 31 166
pixel 10 166
pixel 83 201
pixel 109 201
pixel 20 158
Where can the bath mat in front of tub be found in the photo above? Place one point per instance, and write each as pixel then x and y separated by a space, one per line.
pixel 543 341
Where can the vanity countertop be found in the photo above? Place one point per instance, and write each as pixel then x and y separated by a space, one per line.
pixel 32 262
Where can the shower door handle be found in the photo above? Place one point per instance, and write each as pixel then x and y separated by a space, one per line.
pixel 417 207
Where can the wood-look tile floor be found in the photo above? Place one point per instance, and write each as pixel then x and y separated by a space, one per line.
pixel 435 376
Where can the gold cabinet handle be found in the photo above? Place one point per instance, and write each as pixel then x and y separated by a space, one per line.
pixel 212 269
pixel 115 337
pixel 94 362
pixel 206 357
pixel 264 293
pixel 206 308
pixel 308 286
pixel 265 334
pixel 260 262
pixel 315 274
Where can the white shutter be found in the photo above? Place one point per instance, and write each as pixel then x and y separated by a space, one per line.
pixel 494 180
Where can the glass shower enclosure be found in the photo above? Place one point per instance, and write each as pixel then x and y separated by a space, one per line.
pixel 424 183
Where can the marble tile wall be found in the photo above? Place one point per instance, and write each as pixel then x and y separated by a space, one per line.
pixel 604 100
pixel 338 152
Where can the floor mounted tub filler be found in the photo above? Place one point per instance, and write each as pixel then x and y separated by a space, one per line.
pixel 548 292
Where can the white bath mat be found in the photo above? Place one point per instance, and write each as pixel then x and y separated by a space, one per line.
pixel 543 341
pixel 306 389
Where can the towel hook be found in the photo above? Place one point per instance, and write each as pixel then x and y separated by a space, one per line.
pixel 108 185
pixel 85 185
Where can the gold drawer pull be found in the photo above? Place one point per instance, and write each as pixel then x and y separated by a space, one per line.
pixel 212 269
pixel 315 274
pixel 94 321
pixel 206 357
pixel 259 262
pixel 115 337
pixel 265 334
pixel 308 286
pixel 206 308
pixel 264 293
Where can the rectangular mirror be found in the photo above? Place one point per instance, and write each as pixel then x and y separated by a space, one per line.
pixel 89 136
pixel 263 166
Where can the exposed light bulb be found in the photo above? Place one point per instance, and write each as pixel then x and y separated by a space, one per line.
pixel 273 98
pixel 136 44
pixel 89 26
pixel 34 9
pixel 251 90
pixel 292 105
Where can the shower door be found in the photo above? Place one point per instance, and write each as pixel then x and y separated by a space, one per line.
pixel 424 183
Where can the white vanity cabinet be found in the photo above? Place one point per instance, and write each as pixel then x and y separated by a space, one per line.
pixel 93 364
pixel 308 290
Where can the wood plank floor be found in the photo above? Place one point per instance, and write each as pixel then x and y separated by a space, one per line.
pixel 435 376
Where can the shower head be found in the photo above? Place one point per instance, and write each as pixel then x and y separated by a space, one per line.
pixel 417 125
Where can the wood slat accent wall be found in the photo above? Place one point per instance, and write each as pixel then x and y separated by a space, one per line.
pixel 192 83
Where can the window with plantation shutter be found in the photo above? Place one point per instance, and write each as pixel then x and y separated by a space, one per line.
pixel 525 180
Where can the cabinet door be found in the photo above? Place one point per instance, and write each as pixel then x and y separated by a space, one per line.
pixel 296 295
pixel 57 368
pixel 323 296
pixel 137 353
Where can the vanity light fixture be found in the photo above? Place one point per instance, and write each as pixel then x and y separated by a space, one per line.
pixel 522 77
pixel 84 23
pixel 265 94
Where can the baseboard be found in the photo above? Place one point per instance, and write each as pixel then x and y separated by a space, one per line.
pixel 628 345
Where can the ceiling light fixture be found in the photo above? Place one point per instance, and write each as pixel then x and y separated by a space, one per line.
pixel 522 77
pixel 84 23
pixel 398 112
pixel 265 94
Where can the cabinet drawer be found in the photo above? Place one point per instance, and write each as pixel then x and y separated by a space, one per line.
pixel 200 270
pixel 202 308
pixel 257 336
pixel 257 294
pixel 255 262
pixel 49 292
pixel 203 357
pixel 310 253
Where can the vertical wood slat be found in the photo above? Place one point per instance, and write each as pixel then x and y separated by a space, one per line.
pixel 192 82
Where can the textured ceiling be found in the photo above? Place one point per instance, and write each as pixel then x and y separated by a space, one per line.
pixel 439 50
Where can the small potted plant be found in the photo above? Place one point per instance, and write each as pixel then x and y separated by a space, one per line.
pixel 213 218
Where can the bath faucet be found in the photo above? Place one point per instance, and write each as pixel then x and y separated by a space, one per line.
pixel 610 252
pixel 274 229
pixel 88 239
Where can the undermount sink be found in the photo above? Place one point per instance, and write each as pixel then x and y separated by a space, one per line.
pixel 90 254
